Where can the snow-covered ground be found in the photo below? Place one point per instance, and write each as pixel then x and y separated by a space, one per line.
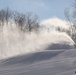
pixel 50 62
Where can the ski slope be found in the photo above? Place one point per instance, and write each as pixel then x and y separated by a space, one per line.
pixel 50 62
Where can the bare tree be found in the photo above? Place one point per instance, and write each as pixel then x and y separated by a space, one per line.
pixel 8 14
pixel 19 19
pixel 5 15
pixel 32 22
pixel 71 18
pixel 2 16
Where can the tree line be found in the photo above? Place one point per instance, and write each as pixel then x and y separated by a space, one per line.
pixel 25 22
pixel 29 22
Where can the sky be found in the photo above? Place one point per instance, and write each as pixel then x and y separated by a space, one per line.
pixel 50 12
pixel 45 9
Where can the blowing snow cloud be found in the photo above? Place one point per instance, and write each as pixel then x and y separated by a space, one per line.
pixel 55 22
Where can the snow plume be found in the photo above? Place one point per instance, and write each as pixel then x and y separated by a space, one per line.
pixel 14 42
pixel 55 22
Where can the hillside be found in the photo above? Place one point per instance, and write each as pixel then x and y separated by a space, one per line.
pixel 57 62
